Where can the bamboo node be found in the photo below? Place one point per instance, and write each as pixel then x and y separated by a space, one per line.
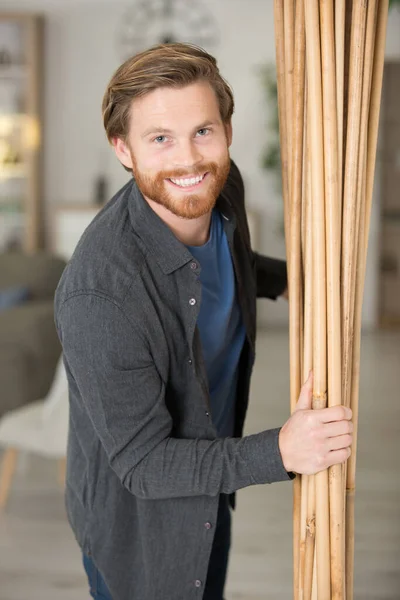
pixel 319 400
pixel 310 527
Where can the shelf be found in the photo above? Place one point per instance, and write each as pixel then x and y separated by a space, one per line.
pixel 13 72
pixel 21 152
pixel 11 208
pixel 12 172
pixel 76 206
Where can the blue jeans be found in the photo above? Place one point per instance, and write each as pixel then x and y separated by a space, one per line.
pixel 217 568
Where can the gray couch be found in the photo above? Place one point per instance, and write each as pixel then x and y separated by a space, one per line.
pixel 29 346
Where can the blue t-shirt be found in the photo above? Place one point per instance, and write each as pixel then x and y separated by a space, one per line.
pixel 220 324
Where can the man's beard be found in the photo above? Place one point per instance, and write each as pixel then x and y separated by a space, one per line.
pixel 192 205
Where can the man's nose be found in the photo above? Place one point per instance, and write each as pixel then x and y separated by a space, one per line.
pixel 187 154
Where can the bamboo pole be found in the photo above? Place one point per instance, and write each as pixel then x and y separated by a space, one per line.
pixel 303 534
pixel 357 26
pixel 314 592
pixel 332 201
pixel 355 372
pixel 340 17
pixel 347 40
pixel 307 359
pixel 310 546
pixel 350 186
pixel 319 275
pixel 344 81
pixel 360 191
pixel 375 98
pixel 284 152
pixel 289 37
pixel 307 565
pixel 365 102
pixel 295 283
pixel 280 75
pixel 347 43
pixel 375 103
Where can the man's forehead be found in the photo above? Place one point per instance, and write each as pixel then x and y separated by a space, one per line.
pixel 167 106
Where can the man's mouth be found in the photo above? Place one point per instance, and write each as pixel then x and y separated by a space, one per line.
pixel 188 183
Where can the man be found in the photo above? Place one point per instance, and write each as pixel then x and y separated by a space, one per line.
pixel 156 315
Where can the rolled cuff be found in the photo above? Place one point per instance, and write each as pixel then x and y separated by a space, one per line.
pixel 264 458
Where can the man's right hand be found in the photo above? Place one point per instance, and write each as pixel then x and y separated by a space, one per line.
pixel 313 440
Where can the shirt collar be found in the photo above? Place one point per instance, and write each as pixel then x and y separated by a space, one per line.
pixel 169 252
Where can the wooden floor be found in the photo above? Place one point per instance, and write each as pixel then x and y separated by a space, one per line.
pixel 39 559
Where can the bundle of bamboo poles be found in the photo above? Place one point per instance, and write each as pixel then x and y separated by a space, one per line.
pixel 330 58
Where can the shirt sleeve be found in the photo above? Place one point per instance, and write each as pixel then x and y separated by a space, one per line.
pixel 124 396
pixel 271 276
pixel 271 273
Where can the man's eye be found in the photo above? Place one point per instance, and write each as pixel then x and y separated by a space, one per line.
pixel 203 132
pixel 159 139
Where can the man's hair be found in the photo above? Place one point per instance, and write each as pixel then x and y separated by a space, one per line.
pixel 165 65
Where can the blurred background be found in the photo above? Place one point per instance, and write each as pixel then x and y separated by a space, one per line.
pixel 57 171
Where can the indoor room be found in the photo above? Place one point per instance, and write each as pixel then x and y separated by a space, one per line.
pixel 60 177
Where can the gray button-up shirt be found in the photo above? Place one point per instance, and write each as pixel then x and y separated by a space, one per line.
pixel 145 466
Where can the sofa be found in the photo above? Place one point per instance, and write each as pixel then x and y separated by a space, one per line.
pixel 29 345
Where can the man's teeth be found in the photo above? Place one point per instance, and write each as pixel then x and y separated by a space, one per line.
pixel 187 182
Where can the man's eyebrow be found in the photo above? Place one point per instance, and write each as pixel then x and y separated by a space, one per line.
pixel 163 131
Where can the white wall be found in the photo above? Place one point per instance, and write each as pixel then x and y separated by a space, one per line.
pixel 81 56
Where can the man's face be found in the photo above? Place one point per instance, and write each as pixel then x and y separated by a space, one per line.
pixel 178 148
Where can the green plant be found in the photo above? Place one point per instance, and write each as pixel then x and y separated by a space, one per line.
pixel 270 158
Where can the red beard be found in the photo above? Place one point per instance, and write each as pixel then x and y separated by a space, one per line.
pixel 192 205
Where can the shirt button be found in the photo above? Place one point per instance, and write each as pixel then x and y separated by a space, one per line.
pixel 207 525
pixel 190 361
pixel 207 413
pixel 193 265
pixel 197 583
pixel 192 301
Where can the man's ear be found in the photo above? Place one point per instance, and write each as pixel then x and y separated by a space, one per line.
pixel 122 151
pixel 229 133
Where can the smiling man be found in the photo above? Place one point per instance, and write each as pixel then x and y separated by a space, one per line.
pixel 156 313
pixel 196 151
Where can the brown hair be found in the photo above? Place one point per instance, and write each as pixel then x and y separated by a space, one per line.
pixel 165 65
